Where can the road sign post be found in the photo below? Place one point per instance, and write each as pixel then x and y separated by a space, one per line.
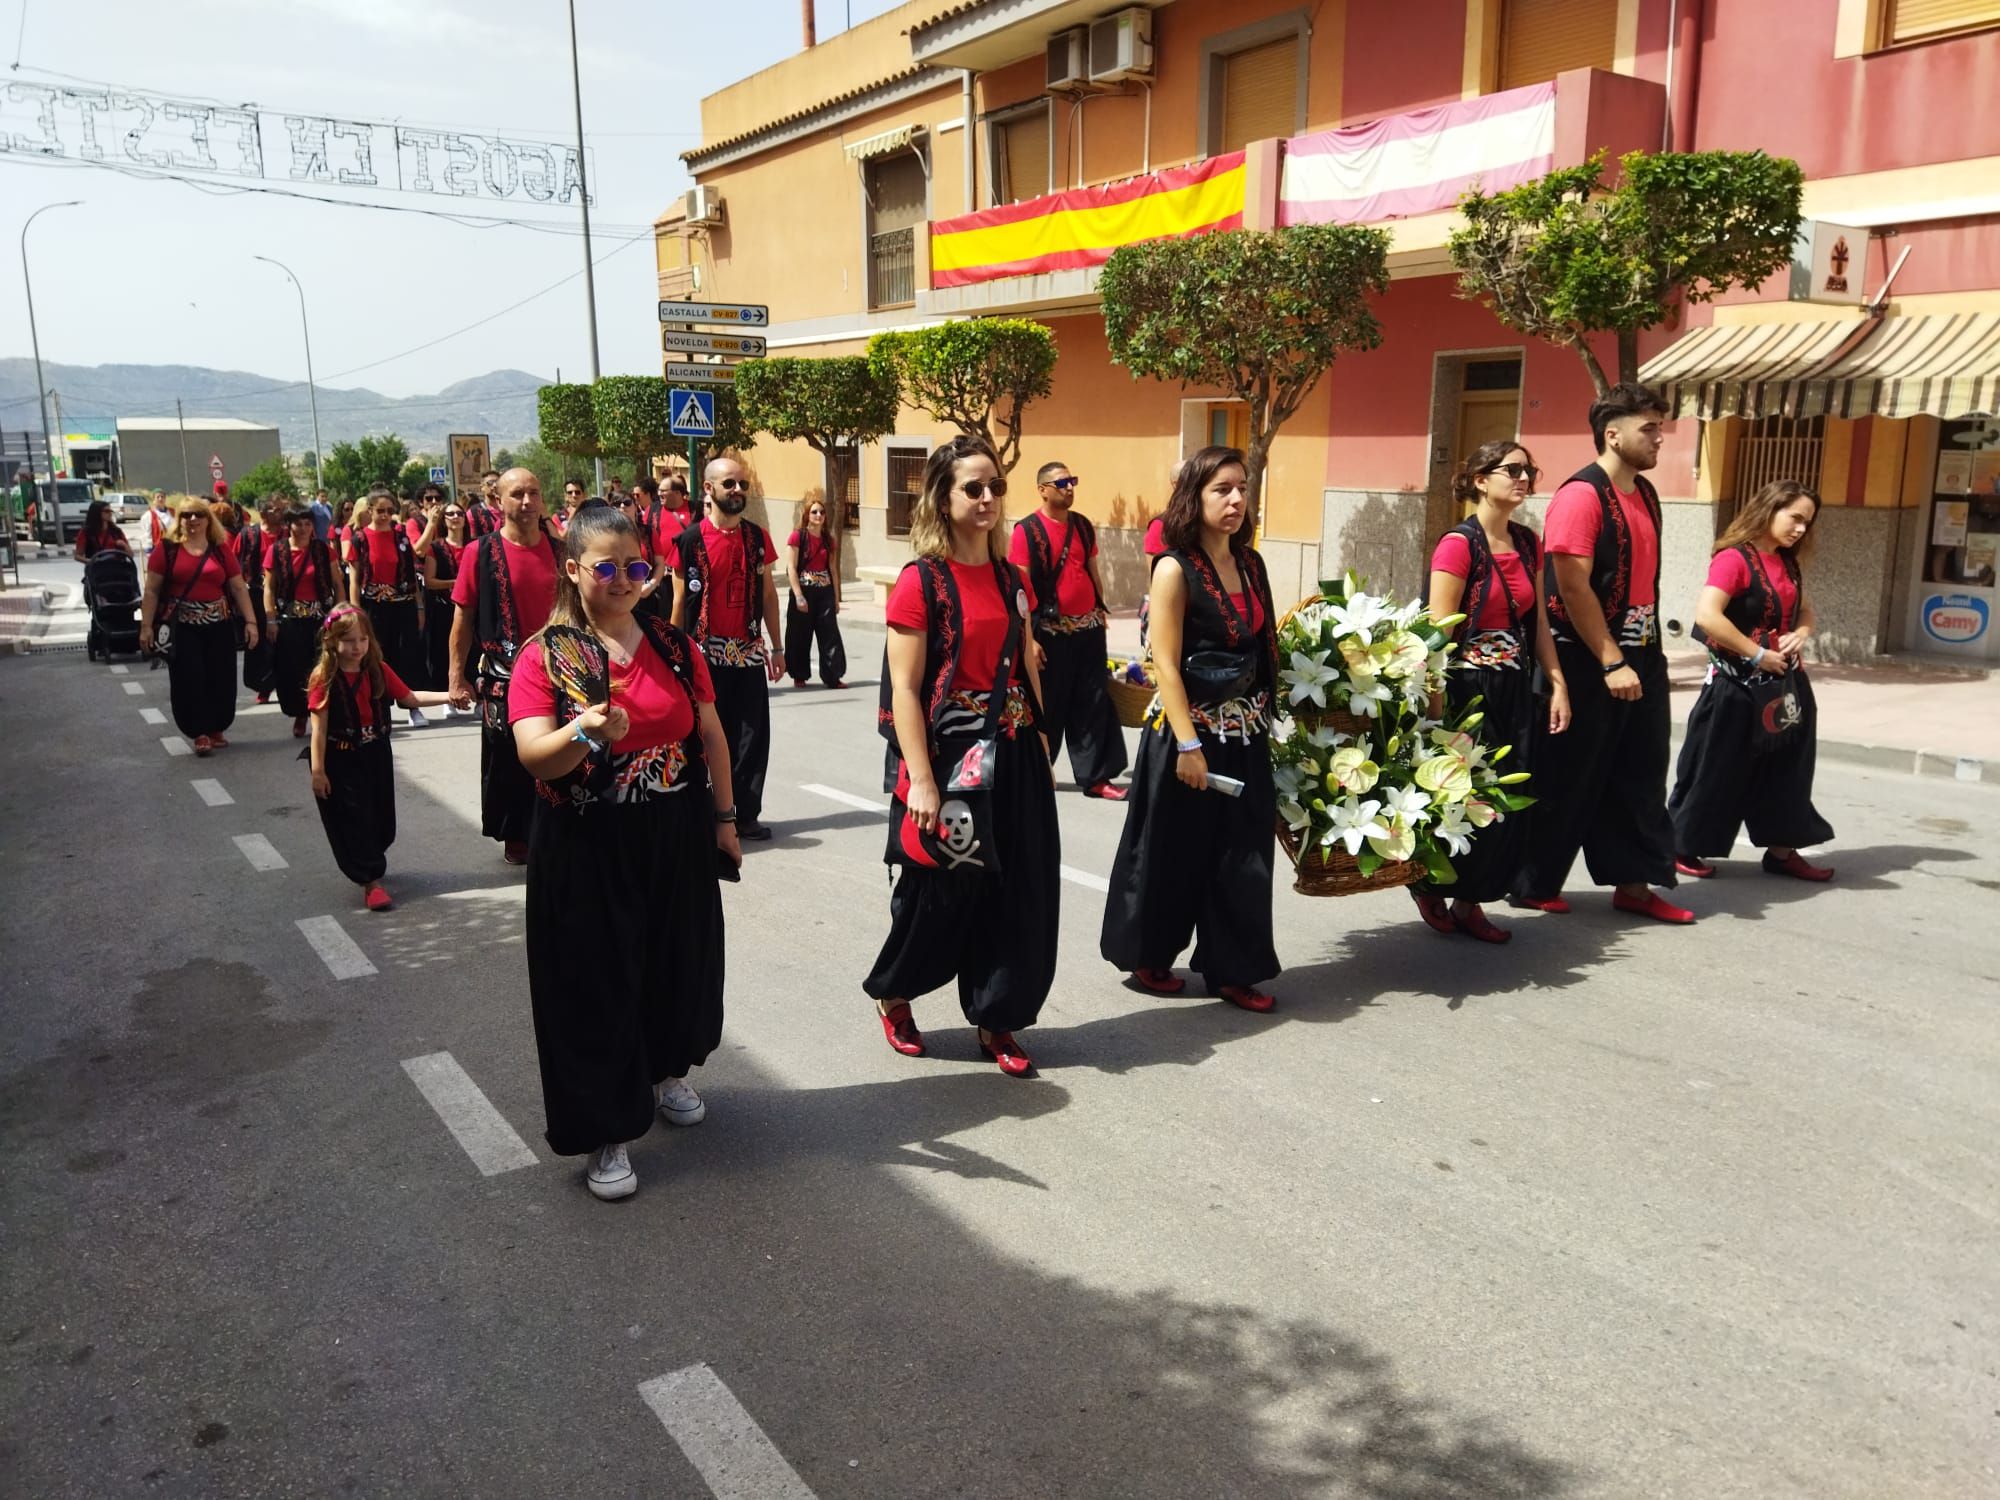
pixel 215 467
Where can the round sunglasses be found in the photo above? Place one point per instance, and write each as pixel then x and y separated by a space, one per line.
pixel 638 570
pixel 978 489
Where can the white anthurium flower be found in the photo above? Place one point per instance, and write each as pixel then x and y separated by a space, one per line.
pixel 1446 777
pixel 1295 816
pixel 1407 803
pixel 1351 770
pixel 1453 829
pixel 1309 677
pixel 1399 843
pixel 1351 821
pixel 1479 813
pixel 1460 745
pixel 1367 693
pixel 1407 655
pixel 1355 651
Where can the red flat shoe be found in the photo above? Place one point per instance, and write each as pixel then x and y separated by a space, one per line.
pixel 202 744
pixel 218 742
pixel 1693 866
pixel 263 698
pixel 1655 906
pixel 1004 1050
pixel 836 684
pixel 377 899
pixel 514 852
pixel 1106 792
pixel 798 682
pixel 1244 998
pixel 299 727
pixel 1431 907
pixel 1159 981
pixel 1794 865
pixel 1555 906
pixel 1477 926
pixel 900 1027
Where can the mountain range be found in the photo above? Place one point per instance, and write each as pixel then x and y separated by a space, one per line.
pixel 500 404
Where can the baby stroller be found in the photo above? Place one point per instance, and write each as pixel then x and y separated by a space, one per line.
pixel 111 592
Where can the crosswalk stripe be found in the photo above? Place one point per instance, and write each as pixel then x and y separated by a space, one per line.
pixel 153 715
pixel 468 1114
pixel 339 952
pixel 722 1440
pixel 173 744
pixel 211 792
pixel 260 851
pixel 134 689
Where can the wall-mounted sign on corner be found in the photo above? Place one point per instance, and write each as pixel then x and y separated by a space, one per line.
pixel 1955 619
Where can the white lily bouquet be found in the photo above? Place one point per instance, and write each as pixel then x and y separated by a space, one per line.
pixel 1373 790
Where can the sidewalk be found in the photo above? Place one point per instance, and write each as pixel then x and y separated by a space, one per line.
pixel 1894 714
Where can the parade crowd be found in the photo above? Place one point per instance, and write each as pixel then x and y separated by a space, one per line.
pixel 620 653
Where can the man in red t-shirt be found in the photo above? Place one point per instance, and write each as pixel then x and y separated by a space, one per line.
pixel 1056 550
pixel 722 583
pixel 506 790
pixel 1603 784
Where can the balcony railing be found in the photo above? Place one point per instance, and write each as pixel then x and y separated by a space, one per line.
pixel 892 268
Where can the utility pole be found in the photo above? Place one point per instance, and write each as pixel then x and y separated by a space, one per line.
pixel 312 392
pixel 583 191
pixel 61 434
pixel 187 484
pixel 35 338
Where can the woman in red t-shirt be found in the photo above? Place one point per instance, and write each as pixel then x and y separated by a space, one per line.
pixel 1756 619
pixel 614 717
pixel 1489 568
pixel 192 580
pixel 950 616
pixel 446 532
pixel 385 580
pixel 352 776
pixel 813 561
pixel 100 533
pixel 301 584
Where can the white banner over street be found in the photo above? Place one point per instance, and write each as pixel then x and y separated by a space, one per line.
pixel 156 132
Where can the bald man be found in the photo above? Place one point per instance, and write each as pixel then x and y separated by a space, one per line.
pixel 506 587
pixel 722 582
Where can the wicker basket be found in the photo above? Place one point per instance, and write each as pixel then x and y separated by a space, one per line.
pixel 1335 872
pixel 1131 699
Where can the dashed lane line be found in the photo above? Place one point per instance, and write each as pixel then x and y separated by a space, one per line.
pixel 468 1114
pixel 211 792
pixel 153 715
pixel 119 670
pixel 1070 873
pixel 722 1440
pixel 173 744
pixel 261 853
pixel 339 952
pixel 134 689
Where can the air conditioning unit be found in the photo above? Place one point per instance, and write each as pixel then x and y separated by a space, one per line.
pixel 1067 58
pixel 1121 45
pixel 702 205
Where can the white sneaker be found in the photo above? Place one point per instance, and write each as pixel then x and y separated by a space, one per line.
pixel 679 1103
pixel 611 1175
pixel 417 719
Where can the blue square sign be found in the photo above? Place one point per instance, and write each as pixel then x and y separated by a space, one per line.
pixel 691 413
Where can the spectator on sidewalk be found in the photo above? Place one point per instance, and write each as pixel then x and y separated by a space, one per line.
pixel 322 516
pixel 813 552
pixel 1747 758
pixel 99 533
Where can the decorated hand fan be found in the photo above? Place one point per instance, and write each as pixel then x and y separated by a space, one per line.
pixel 579 666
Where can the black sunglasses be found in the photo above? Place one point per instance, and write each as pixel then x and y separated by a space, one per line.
pixel 732 484
pixel 978 489
pixel 1062 484
pixel 453 512
pixel 638 570
pixel 1517 471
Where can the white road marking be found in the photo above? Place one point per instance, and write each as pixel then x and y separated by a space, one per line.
pixel 720 1438
pixel 514 895
pixel 173 744
pixel 468 1114
pixel 339 952
pixel 1070 873
pixel 134 689
pixel 120 671
pixel 153 715
pixel 211 792
pixel 263 856
pixel 835 794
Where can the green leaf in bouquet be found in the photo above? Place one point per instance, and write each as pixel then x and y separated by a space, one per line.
pixel 1514 801
pixel 1368 861
pixel 1438 864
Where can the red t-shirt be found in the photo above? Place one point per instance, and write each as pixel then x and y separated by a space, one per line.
pixel 364 703
pixel 1251 608
pixel 1074 595
pixel 199 580
pixel 382 559
pixel 647 690
pixel 730 607
pixel 1454 556
pixel 1156 540
pixel 813 556
pixel 446 551
pixel 532 570
pixel 669 522
pixel 1575 518
pixel 985 618
pixel 305 574
pixel 413 528
pixel 1728 572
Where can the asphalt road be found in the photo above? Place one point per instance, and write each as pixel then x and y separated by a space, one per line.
pixel 1616 1211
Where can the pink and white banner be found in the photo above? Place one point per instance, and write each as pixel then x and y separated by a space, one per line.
pixel 1420 162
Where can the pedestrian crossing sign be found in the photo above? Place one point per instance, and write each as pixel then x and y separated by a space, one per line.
pixel 692 413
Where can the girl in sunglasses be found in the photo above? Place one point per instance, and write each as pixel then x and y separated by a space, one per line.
pixel 446 531
pixel 1489 568
pixel 614 717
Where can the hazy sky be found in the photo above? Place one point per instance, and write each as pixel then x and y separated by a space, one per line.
pixel 154 272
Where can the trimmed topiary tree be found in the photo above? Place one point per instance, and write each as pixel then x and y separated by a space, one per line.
pixel 976 374
pixel 568 419
pixel 631 415
pixel 824 403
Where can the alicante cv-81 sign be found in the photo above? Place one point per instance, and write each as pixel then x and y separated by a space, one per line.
pixel 744 314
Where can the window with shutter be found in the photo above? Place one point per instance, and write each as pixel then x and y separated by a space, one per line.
pixel 895 192
pixel 1541 38
pixel 1919 20
pixel 1260 94
pixel 1021 168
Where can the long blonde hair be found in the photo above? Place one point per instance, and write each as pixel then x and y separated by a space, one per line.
pixel 339 621
pixel 177 533
pixel 930 517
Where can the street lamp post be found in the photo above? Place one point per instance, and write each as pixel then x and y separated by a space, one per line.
pixel 35 339
pixel 583 192
pixel 312 394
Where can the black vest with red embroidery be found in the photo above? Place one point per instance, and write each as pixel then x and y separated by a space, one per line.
pixel 1211 623
pixel 944 639
pixel 285 581
pixel 1482 576
pixel 694 568
pixel 596 772
pixel 1042 560
pixel 343 711
pixel 498 619
pixel 1611 564
pixel 1757 610
pixel 406 560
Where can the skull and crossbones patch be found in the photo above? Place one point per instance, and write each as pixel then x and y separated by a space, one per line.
pixel 956 839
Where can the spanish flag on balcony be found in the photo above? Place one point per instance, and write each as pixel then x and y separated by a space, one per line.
pixel 1083 226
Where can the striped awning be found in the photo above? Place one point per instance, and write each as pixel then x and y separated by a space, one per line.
pixel 1941 365
pixel 883 144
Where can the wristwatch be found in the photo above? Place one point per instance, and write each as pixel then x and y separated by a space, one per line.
pixel 725 814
